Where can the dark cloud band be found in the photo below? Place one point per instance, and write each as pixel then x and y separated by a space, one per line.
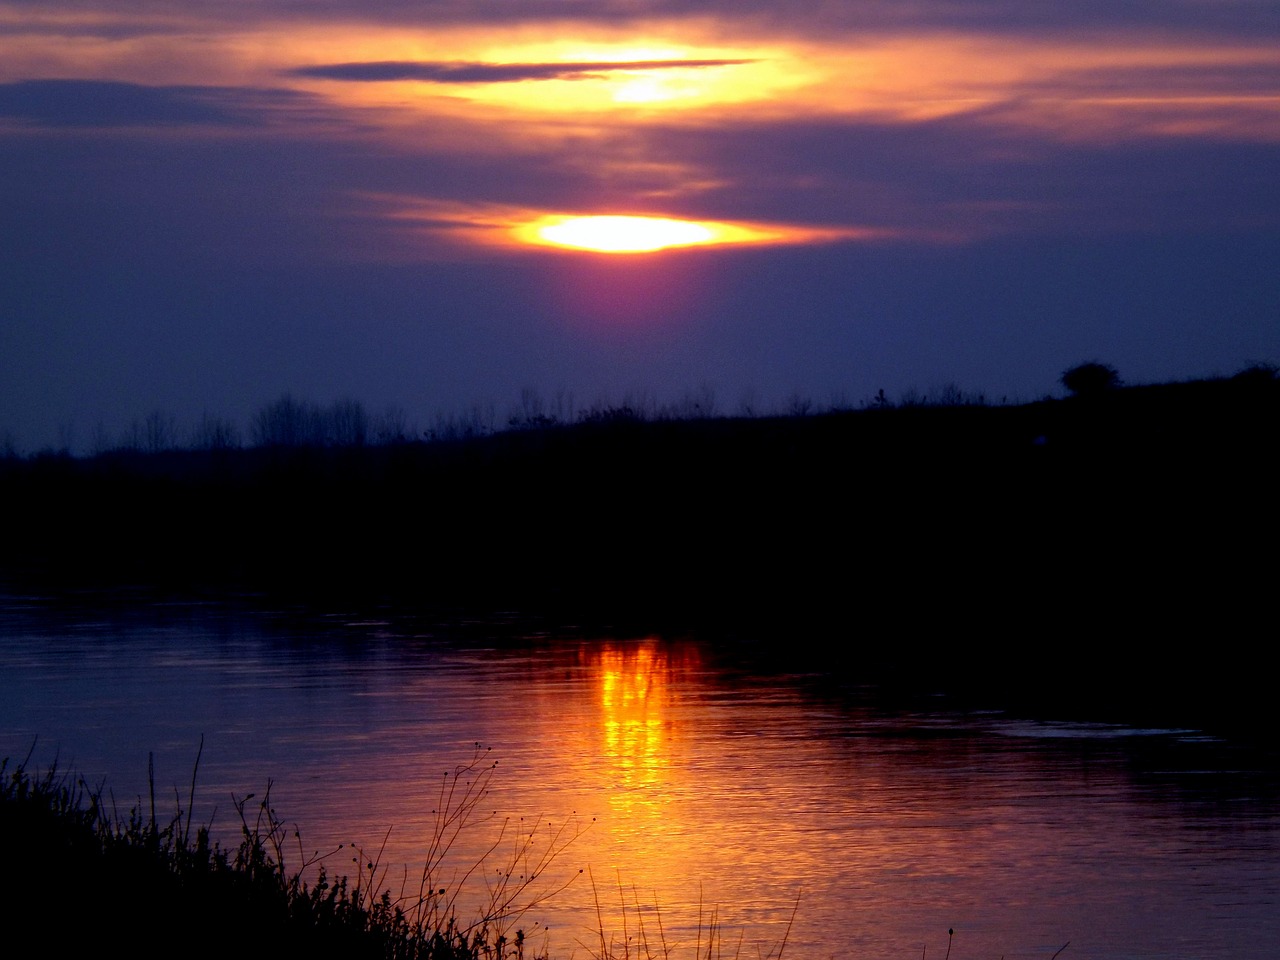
pixel 112 103
pixel 453 72
pixel 104 103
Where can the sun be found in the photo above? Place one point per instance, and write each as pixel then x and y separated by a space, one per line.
pixel 610 234
pixel 623 234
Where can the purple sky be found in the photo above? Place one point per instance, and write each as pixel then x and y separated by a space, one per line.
pixel 203 206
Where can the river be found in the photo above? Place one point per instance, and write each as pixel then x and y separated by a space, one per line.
pixel 657 789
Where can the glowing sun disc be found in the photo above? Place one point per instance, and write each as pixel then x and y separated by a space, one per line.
pixel 616 234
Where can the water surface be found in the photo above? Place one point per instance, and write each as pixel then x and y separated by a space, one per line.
pixel 673 780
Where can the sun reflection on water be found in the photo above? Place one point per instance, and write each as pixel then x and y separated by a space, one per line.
pixel 633 689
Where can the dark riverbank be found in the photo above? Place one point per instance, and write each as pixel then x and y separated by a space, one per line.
pixel 88 878
pixel 1057 547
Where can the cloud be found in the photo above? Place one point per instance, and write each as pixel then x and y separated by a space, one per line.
pixel 1246 19
pixel 964 175
pixel 109 103
pixel 451 72
pixel 1232 75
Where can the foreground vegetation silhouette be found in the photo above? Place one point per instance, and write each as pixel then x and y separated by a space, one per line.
pixel 165 887
pixel 71 865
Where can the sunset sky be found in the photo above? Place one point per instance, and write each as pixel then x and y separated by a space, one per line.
pixel 205 205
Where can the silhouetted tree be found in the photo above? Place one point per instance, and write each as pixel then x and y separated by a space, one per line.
pixel 215 433
pixel 348 424
pixel 392 425
pixel 288 423
pixel 1090 379
pixel 160 432
pixel 66 436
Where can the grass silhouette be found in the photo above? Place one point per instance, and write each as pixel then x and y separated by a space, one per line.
pixel 640 942
pixel 72 866
pixel 91 878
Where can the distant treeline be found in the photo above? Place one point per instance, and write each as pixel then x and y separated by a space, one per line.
pixel 289 421
pixel 1108 521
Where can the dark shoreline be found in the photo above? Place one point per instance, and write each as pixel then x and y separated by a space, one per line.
pixel 1052 550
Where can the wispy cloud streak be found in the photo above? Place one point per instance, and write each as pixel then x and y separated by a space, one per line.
pixel 447 72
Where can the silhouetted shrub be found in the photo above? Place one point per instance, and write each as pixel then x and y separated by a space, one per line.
pixel 625 413
pixel 1090 379
pixel 1258 373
